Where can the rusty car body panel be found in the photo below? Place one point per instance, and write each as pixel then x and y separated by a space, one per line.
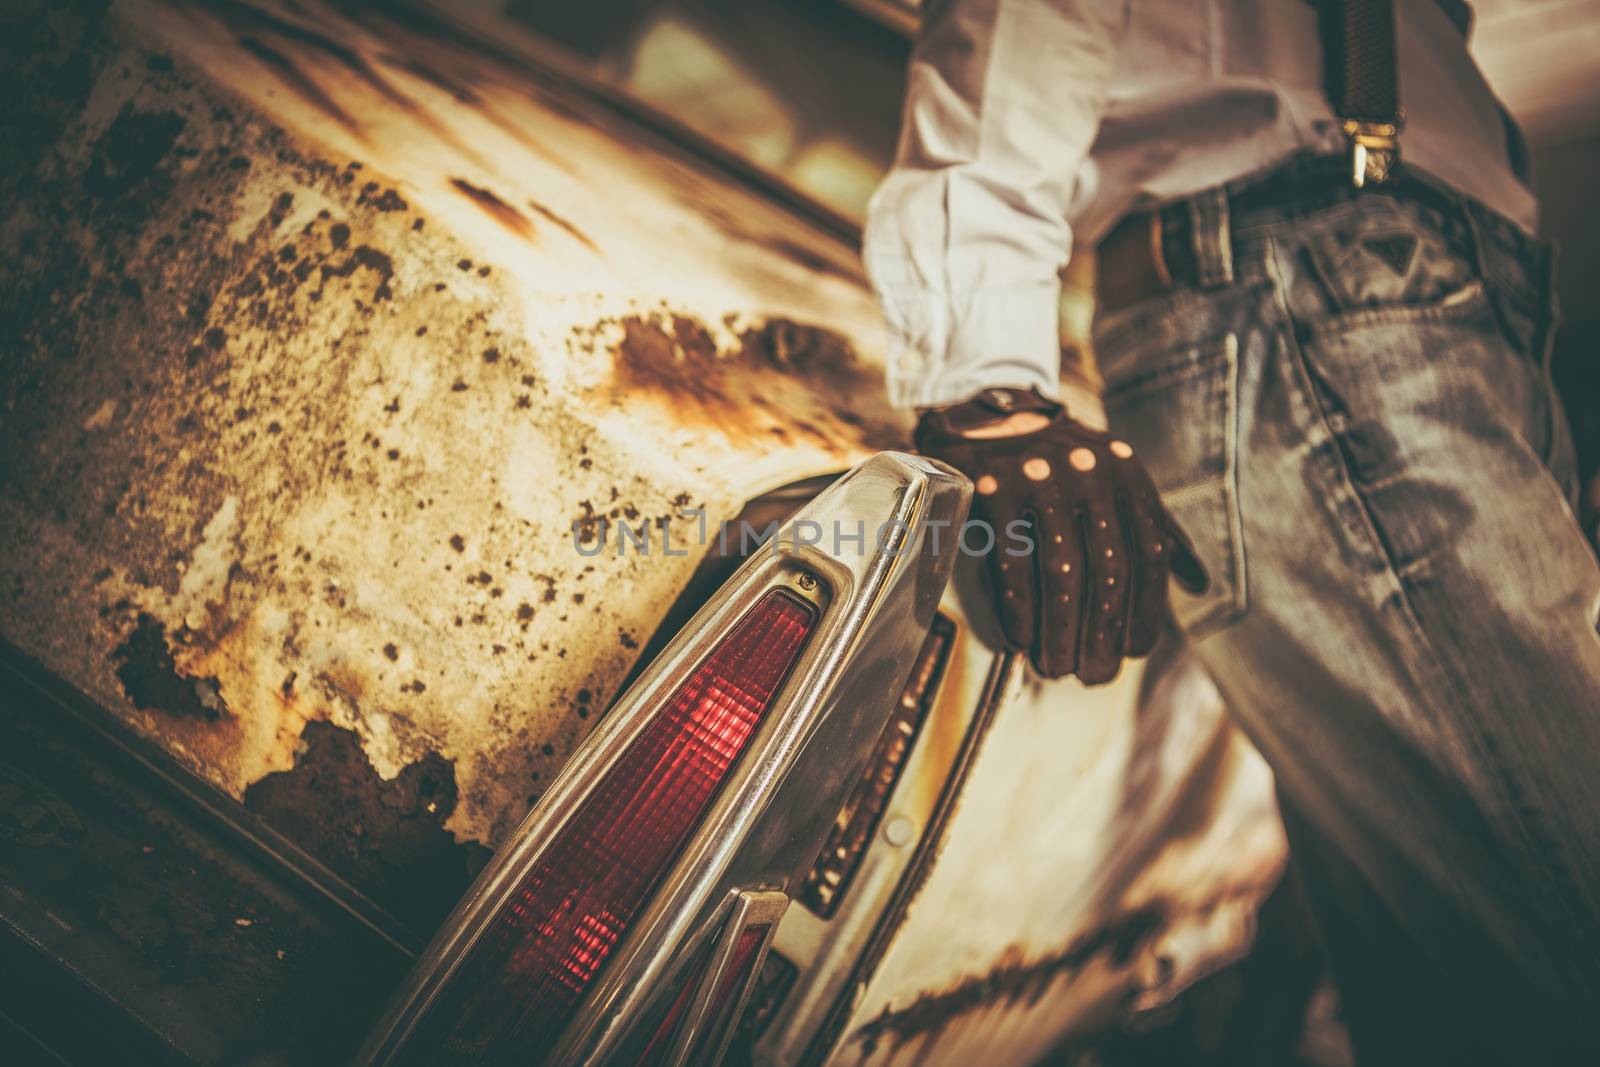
pixel 322 389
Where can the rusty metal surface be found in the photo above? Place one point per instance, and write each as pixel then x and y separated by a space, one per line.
pixel 134 929
pixel 319 337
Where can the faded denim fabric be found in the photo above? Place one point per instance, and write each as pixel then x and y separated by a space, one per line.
pixel 1354 422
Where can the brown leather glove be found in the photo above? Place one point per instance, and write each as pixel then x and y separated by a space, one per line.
pixel 1083 546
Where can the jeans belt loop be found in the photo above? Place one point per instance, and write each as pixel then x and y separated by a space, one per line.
pixel 1212 237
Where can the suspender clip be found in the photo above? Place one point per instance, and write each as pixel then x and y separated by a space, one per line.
pixel 1374 150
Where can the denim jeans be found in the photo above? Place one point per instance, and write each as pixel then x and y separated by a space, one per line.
pixel 1349 410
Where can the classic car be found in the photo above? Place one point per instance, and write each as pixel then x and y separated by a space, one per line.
pixel 386 401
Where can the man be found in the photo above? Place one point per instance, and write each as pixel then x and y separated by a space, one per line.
pixel 1343 398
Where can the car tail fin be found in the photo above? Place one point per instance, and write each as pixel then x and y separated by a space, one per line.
pixel 627 918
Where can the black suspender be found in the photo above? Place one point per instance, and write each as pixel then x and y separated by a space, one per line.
pixel 1363 80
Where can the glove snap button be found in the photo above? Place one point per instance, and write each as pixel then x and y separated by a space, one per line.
pixel 1001 399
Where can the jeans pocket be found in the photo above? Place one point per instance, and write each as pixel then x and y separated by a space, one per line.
pixel 1180 413
pixel 1376 252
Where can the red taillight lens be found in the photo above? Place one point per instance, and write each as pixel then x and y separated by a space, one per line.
pixel 519 985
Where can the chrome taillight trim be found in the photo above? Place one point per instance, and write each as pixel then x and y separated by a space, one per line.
pixel 750 908
pixel 837 957
pixel 818 1035
pixel 886 591
pixel 859 819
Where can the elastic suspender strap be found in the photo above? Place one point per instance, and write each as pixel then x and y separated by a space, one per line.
pixel 1367 85
pixel 1359 53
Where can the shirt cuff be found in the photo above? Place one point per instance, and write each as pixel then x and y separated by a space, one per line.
pixel 998 337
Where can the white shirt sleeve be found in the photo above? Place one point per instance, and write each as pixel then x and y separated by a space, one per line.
pixel 967 235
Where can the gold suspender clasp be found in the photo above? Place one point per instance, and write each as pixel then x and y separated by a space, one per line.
pixel 1374 150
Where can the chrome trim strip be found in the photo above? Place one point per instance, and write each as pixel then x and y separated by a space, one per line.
pixel 765 826
pixel 860 821
pixel 827 1035
pixel 750 908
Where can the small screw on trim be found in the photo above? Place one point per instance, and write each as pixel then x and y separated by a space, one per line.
pixel 806 581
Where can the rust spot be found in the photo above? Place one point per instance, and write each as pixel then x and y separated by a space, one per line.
pixel 572 230
pixel 373 260
pixel 794 347
pixel 384 202
pixel 131 149
pixel 386 837
pixel 650 358
pixel 280 208
pixel 1013 980
pixel 494 207
pixel 151 680
pixel 785 378
pixel 585 526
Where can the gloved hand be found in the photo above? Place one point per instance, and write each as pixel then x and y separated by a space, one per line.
pixel 1081 580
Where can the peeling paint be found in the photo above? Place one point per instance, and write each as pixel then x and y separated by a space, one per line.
pixel 204 584
pixel 389 832
pixel 779 380
pixel 151 680
pixel 497 209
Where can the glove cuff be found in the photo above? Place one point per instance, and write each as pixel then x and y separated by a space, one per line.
pixel 936 425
